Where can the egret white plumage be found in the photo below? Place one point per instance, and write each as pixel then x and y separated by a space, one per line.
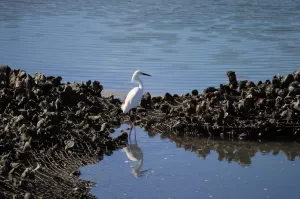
pixel 134 96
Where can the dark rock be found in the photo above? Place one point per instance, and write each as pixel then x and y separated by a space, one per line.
pixel 199 109
pixel 191 108
pixel 248 102
pixel 209 90
pixel 45 87
pixel 156 99
pixel 278 101
pixel 56 81
pixel 164 108
pixel 181 114
pixel 93 109
pixel 250 84
pixel 242 84
pixel 179 127
pixel 285 82
pixel 104 127
pixel 140 110
pixel 276 82
pixel 146 100
pixel 261 102
pixel 296 105
pixel 207 118
pixel 4 74
pixel 297 75
pixel 122 138
pixel 75 173
pixel 294 89
pixel 97 87
pixel 88 83
pixel 282 92
pixel 70 97
pixel 156 105
pixel 168 98
pixel 13 77
pixel 28 196
pixel 195 120
pixel 232 79
pixel 229 107
pixel 270 103
pixel 5 69
pixel 39 78
pixel 259 83
pixel 195 92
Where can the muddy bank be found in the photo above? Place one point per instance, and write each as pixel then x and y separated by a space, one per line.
pixel 239 109
pixel 50 129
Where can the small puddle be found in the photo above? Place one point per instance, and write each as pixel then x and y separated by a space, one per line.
pixel 156 167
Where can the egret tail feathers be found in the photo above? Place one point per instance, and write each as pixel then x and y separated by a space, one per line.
pixel 123 107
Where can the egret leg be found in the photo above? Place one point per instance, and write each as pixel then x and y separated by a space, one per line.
pixel 132 116
pixel 132 121
pixel 131 127
pixel 130 133
pixel 134 133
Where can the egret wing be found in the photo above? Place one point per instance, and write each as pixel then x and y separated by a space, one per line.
pixel 132 99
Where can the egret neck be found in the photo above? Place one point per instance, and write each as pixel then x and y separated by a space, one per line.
pixel 137 80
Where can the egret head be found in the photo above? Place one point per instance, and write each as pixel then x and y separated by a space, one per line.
pixel 136 74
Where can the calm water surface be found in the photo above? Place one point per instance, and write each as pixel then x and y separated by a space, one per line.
pixel 157 167
pixel 184 44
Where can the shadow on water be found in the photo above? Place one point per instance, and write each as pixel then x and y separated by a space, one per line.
pixel 156 166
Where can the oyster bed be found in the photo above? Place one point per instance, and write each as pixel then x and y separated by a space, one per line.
pixel 49 128
pixel 238 109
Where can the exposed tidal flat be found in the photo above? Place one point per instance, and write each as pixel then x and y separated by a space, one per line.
pixel 51 128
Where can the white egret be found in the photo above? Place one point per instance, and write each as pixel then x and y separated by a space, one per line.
pixel 134 97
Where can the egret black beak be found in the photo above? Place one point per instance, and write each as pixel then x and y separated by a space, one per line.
pixel 145 74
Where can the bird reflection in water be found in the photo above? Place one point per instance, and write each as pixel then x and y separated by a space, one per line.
pixel 135 154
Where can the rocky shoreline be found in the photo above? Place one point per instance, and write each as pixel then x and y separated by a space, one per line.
pixel 50 128
pixel 239 110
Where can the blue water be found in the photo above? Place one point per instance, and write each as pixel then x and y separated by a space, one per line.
pixel 203 168
pixel 185 45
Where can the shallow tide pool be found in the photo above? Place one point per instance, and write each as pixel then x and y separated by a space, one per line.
pixel 160 167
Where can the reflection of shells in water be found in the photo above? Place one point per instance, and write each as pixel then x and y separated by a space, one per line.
pixel 236 151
